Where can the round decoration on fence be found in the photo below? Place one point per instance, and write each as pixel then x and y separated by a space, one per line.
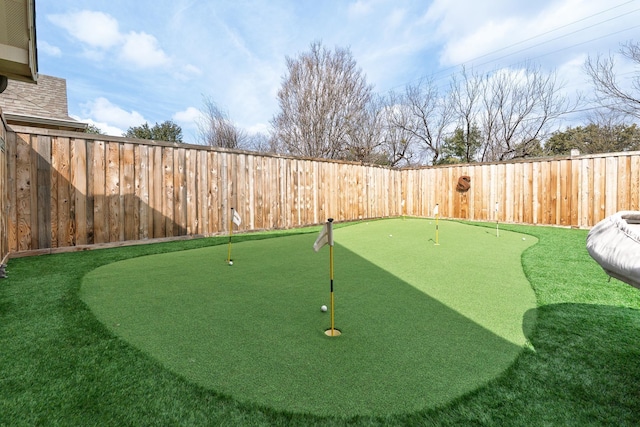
pixel 464 183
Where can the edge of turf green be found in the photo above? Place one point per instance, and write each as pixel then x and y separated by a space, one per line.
pixel 178 366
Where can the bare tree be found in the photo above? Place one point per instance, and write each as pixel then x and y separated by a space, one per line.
pixel 466 104
pixel 514 110
pixel 420 117
pixel 323 100
pixel 259 142
pixel 217 130
pixel 366 139
pixel 609 93
pixel 527 103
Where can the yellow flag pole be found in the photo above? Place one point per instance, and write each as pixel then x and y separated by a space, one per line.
pixel 230 233
pixel 330 232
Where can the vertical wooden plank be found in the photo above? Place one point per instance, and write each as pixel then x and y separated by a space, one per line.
pixel 624 163
pixel 564 205
pixel 66 203
pixel 158 193
pixel 527 193
pixel 90 145
pixel 544 189
pixel 180 192
pixel 113 190
pixel 79 184
pixel 203 192
pixel 634 184
pixel 225 190
pixel 611 185
pixel 574 205
pixel 55 166
pixel 593 191
pixel 240 177
pixel 23 192
pixel 599 180
pixel 100 199
pixel 4 180
pixel 168 201
pixel 508 193
pixel 282 175
pixel 320 190
pixel 257 192
pixel 129 214
pixel 42 161
pixel 250 183
pixel 141 189
pixel 191 208
pixel 496 198
pixel 12 191
pixel 214 192
pixel 585 192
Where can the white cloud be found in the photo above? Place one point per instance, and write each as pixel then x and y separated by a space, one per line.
pixel 105 128
pixel 141 50
pixel 190 115
pixel 96 29
pixel 359 8
pixel 495 29
pixel 102 111
pixel 100 34
pixel 48 49
pixel 259 128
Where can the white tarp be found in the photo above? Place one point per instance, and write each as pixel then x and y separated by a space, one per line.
pixel 614 243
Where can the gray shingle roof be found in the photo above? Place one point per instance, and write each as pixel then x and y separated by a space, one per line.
pixel 47 98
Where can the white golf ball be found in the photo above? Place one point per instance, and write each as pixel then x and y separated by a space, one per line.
pixel 230 262
pixel 390 235
pixel 524 238
pixel 323 308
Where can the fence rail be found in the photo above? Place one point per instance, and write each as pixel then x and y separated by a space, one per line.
pixel 66 189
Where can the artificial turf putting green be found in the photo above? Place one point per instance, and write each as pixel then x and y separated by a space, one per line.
pixel 421 324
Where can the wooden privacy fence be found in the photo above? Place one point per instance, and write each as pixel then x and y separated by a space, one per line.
pixel 575 192
pixel 4 226
pixel 67 189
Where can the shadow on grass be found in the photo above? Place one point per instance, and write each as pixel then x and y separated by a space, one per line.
pixel 583 370
pixel 254 331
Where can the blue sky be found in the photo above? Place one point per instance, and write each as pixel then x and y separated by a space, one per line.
pixel 129 62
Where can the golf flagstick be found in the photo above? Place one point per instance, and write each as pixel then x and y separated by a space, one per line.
pixel 326 237
pixel 436 212
pixel 235 219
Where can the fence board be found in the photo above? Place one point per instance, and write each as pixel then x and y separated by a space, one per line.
pixel 100 201
pixel 79 184
pixel 141 190
pixel 634 198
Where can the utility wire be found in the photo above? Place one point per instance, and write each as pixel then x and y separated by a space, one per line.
pixel 539 44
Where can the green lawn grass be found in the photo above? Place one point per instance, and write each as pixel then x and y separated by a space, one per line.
pixel 59 365
pixel 421 324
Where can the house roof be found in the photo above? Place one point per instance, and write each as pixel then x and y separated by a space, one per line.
pixel 41 104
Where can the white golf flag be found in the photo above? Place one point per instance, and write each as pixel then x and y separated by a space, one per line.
pixel 435 211
pixel 324 237
pixel 236 218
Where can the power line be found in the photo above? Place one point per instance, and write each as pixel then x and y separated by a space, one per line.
pixel 539 44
